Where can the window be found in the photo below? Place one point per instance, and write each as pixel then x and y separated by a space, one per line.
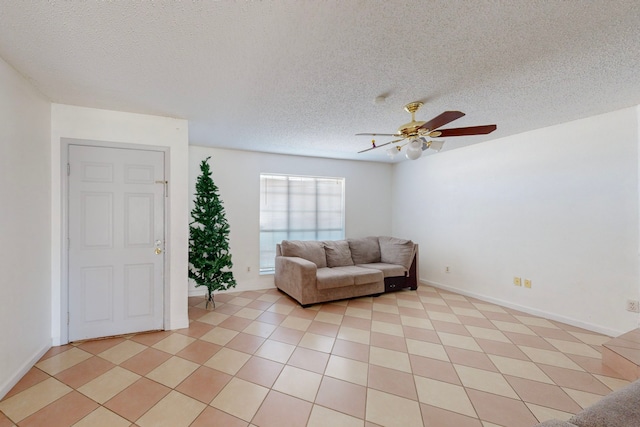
pixel 298 208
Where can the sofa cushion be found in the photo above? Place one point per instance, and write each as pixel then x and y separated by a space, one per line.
pixel 388 270
pixel 338 253
pixel 396 251
pixel 618 409
pixel 362 276
pixel 327 278
pixel 310 250
pixel 365 250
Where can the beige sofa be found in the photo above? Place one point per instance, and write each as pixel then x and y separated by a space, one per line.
pixel 319 271
pixel 618 409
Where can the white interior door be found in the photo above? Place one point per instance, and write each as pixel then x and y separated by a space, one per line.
pixel 116 241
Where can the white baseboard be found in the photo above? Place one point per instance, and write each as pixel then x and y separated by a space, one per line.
pixel 181 323
pixel 24 368
pixel 541 313
pixel 252 287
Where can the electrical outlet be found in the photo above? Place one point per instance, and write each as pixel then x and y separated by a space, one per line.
pixel 527 283
pixel 517 281
pixel 633 306
pixel 447 269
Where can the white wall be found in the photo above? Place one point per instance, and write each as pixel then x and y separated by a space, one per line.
pixel 118 127
pixel 237 175
pixel 25 233
pixel 558 206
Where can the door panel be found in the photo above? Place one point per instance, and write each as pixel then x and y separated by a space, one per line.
pixel 139 291
pixel 97 291
pixel 116 223
pixel 97 220
pixel 139 220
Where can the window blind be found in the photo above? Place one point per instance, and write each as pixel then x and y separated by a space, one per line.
pixel 298 208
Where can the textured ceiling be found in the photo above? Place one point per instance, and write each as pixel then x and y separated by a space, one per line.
pixel 300 77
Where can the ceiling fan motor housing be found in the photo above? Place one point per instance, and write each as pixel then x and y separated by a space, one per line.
pixel 411 129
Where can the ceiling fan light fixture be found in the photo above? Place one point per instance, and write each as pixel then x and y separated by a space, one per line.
pixel 413 153
pixel 416 143
pixel 391 152
pixel 436 145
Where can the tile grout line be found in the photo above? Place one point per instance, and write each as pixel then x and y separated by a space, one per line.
pixel 403 302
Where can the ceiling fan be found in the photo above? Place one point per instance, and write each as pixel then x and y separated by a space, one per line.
pixel 417 132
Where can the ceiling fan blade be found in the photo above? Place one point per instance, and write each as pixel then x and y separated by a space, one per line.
pixel 379 134
pixel 381 145
pixel 442 119
pixel 472 130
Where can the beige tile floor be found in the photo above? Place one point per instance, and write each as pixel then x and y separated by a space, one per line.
pixel 411 358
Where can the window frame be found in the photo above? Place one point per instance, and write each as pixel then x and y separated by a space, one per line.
pixel 288 212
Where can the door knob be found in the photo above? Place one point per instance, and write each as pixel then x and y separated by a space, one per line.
pixel 158 251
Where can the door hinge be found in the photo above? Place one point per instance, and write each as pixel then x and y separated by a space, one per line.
pixel 68 169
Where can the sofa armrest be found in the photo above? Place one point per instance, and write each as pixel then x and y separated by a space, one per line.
pixel 414 270
pixel 293 274
pixel 618 409
pixel 555 423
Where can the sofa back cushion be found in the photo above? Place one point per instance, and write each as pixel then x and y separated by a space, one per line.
pixel 396 251
pixel 338 253
pixel 310 250
pixel 365 250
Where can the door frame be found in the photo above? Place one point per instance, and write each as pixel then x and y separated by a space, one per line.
pixel 64 225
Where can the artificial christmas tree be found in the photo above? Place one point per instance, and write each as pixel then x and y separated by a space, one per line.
pixel 209 258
